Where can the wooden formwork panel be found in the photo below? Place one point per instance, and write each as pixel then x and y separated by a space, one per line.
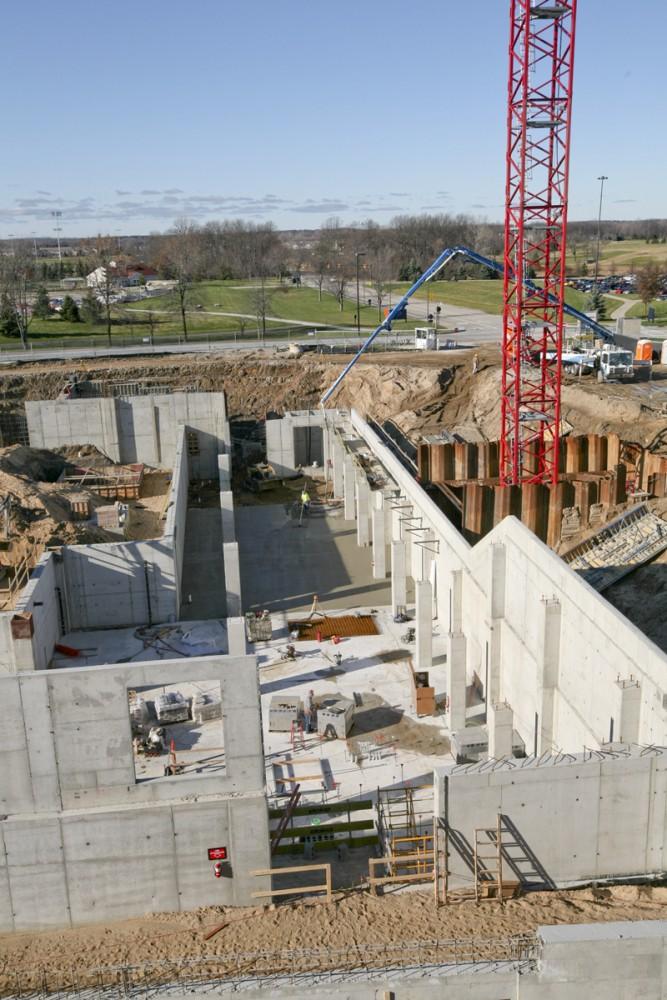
pixel 345 625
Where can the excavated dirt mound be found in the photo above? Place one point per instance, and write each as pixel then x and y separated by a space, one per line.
pixel 347 921
pixel 39 511
pixel 424 392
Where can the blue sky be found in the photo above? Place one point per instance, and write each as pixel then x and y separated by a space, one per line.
pixel 126 116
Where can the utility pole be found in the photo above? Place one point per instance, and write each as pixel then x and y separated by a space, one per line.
pixel 357 255
pixel 601 179
pixel 57 215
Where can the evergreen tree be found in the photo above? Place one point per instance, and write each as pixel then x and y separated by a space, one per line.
pixel 70 311
pixel 9 321
pixel 597 303
pixel 91 309
pixel 41 309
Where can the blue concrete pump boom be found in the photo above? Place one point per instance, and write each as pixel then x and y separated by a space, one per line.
pixel 430 273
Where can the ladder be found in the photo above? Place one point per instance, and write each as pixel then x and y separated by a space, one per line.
pixel 292 803
pixel 488 867
pixel 296 735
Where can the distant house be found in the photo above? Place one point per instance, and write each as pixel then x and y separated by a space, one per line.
pixel 98 278
pixel 121 275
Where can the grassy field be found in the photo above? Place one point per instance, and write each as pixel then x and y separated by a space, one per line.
pixel 660 305
pixel 477 294
pixel 623 257
pixel 287 303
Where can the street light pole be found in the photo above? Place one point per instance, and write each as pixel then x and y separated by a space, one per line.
pixel 357 255
pixel 601 179
pixel 57 215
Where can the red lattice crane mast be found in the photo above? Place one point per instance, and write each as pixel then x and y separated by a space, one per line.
pixel 538 152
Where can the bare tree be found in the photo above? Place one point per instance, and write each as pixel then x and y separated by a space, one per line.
pixel 180 260
pixel 649 283
pixel 103 276
pixel 261 297
pixel 381 268
pixel 17 271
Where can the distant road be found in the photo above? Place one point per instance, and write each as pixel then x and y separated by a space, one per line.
pixel 480 327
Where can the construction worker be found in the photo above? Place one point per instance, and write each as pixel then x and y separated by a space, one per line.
pixel 305 500
pixel 309 711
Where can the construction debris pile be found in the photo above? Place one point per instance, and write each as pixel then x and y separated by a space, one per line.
pixel 47 501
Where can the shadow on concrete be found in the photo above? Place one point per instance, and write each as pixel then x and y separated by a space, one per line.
pixel 371 719
pixel 349 665
pixel 520 857
pixel 203 575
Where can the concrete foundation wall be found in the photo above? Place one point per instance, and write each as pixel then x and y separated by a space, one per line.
pixel 608 961
pixel 75 814
pixel 566 822
pixel 140 429
pixel 297 439
pixel 81 750
pixel 132 583
pixel 562 673
pixel 117 585
pixel 111 864
pixel 40 598
pixel 177 510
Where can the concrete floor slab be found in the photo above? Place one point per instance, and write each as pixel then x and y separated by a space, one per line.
pixel 157 642
pixel 284 564
pixel 377 670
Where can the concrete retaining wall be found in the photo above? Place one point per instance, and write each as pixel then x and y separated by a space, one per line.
pixel 565 822
pixel 132 583
pixel 110 864
pixel 75 813
pixel 297 439
pixel 140 429
pixel 40 598
pixel 230 548
pixel 613 961
pixel 536 635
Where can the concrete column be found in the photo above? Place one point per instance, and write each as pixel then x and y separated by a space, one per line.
pixel 236 637
pixel 396 527
pixel 338 468
pixel 379 536
pixel 230 555
pixel 456 601
pixel 627 727
pixel 548 666
pixel 399 590
pixel 424 625
pixel 363 509
pixel 496 612
pixel 500 723
pixel 456 680
pixel 349 489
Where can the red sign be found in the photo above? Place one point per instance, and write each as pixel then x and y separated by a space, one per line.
pixel 217 854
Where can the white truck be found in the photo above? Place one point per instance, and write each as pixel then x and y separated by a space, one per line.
pixel 615 364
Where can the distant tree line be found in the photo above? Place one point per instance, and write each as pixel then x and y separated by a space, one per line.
pixel 329 258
